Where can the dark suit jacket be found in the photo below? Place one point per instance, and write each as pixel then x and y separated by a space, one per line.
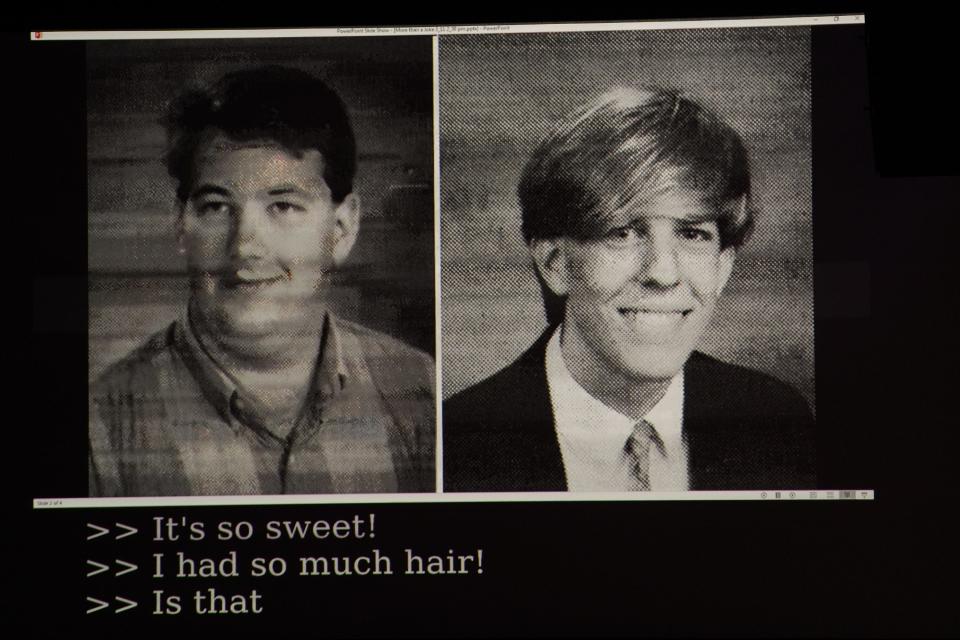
pixel 743 429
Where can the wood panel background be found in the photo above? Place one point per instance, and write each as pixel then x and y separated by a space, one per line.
pixel 499 95
pixel 137 280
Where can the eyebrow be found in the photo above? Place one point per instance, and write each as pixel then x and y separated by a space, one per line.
pixel 209 189
pixel 698 218
pixel 686 219
pixel 284 189
pixel 279 190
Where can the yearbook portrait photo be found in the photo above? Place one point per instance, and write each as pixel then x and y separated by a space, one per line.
pixel 627 261
pixel 261 266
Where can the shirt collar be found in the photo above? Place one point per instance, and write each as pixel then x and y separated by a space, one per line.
pixel 330 376
pixel 577 411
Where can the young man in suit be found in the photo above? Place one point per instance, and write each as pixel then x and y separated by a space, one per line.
pixel 633 211
pixel 258 388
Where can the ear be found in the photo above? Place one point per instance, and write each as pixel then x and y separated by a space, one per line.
pixel 346 227
pixel 550 258
pixel 179 230
pixel 725 267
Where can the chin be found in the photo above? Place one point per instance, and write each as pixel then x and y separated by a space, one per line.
pixel 250 325
pixel 655 365
pixel 242 323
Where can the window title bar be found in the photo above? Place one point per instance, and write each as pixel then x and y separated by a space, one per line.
pixel 446 30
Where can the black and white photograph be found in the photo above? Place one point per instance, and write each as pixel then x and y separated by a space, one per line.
pixel 261 266
pixel 578 324
pixel 627 261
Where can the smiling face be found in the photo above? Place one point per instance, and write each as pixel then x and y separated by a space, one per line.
pixel 639 296
pixel 260 232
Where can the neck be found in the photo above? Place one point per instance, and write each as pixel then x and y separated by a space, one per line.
pixel 627 395
pixel 276 371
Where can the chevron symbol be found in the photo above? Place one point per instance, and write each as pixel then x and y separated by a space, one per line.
pixel 100 605
pixel 129 531
pixel 100 568
pixel 100 531
pixel 130 604
pixel 129 567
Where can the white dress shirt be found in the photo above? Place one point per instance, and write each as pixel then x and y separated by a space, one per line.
pixel 592 435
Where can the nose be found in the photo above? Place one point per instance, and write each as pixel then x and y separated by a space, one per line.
pixel 659 267
pixel 246 241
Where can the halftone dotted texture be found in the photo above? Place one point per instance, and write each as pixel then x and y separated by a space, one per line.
pixel 137 280
pixel 500 95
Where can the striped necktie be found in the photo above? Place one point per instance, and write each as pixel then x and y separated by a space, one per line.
pixel 637 454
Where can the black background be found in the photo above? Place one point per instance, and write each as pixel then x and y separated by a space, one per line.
pixel 884 243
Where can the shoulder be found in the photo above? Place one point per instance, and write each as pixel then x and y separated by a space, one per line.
pixel 512 403
pixel 140 370
pixel 404 379
pixel 499 435
pixel 736 387
pixel 391 361
pixel 505 389
pixel 377 342
pixel 124 403
pixel 746 429
pixel 478 393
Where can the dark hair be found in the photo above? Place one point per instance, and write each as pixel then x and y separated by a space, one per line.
pixel 287 106
pixel 623 147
